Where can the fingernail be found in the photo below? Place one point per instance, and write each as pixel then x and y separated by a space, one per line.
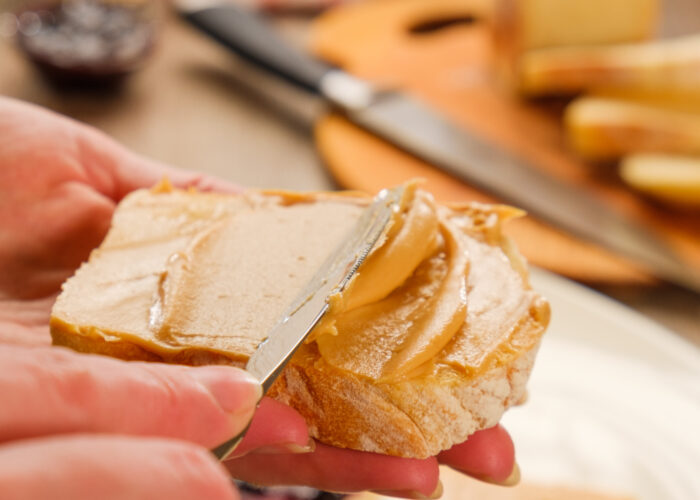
pixel 416 495
pixel 511 480
pixel 283 448
pixel 236 391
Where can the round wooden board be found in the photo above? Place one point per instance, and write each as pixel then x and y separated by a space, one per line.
pixel 453 68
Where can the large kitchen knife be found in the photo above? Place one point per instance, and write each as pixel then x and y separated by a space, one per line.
pixel 311 304
pixel 416 128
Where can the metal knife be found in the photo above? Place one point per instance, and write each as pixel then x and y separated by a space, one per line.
pixel 307 309
pixel 416 128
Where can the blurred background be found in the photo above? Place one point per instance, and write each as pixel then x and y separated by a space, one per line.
pixel 603 95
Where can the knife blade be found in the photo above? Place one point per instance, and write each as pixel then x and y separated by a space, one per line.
pixel 416 128
pixel 311 304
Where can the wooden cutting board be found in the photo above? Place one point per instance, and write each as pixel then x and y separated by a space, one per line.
pixel 395 43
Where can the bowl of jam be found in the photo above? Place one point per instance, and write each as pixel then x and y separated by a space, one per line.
pixel 88 41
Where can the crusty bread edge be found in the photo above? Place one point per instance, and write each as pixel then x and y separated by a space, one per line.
pixel 416 418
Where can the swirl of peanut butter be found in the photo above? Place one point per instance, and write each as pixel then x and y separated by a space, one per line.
pixel 387 339
pixel 411 238
pixel 465 302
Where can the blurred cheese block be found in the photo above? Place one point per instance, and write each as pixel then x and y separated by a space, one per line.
pixel 672 179
pixel 460 487
pixel 662 66
pixel 553 23
pixel 602 128
pixel 523 25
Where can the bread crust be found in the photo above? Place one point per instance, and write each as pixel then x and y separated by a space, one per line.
pixel 414 418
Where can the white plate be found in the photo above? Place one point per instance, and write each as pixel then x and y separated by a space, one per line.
pixel 615 401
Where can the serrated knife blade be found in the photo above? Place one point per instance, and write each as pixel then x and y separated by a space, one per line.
pixel 418 129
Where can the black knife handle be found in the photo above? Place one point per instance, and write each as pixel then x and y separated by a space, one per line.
pixel 249 36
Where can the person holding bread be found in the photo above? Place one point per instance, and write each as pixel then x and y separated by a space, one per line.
pixel 84 426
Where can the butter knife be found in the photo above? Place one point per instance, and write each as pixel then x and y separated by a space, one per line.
pixel 309 307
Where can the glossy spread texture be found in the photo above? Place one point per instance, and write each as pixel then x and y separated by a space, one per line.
pixel 442 292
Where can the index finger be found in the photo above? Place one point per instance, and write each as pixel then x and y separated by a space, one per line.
pixel 335 469
pixel 120 171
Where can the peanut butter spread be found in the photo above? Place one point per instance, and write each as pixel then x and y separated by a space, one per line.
pixel 442 291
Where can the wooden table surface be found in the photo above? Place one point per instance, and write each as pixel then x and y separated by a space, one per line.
pixel 196 107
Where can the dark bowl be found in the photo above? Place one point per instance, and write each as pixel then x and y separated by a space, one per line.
pixel 88 42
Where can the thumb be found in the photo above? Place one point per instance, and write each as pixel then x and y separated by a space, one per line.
pixel 116 171
pixel 53 390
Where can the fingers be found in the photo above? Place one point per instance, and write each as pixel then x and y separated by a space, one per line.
pixel 76 217
pixel 111 467
pixel 90 156
pixel 25 322
pixel 276 428
pixel 53 390
pixel 335 469
pixel 128 179
pixel 488 455
pixel 116 171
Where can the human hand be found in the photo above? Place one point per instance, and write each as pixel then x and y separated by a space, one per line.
pixel 59 183
pixel 83 426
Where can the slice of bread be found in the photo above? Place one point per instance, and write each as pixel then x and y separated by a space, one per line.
pixel 425 352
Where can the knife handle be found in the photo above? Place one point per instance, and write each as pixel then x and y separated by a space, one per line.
pixel 249 36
